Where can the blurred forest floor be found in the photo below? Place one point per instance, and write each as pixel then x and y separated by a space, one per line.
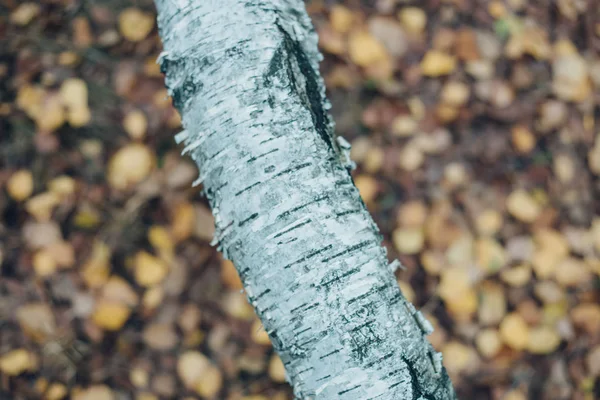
pixel 475 125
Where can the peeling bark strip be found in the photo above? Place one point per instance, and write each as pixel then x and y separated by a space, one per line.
pixel 244 75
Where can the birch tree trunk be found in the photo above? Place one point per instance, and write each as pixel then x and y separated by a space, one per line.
pixel 244 76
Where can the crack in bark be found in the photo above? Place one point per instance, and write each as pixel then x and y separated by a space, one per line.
pixel 310 94
pixel 417 391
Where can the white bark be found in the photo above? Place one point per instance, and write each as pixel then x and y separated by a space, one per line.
pixel 244 75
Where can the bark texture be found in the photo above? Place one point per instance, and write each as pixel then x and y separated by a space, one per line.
pixel 244 75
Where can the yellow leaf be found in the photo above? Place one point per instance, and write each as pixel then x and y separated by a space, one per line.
pixel 25 13
pixel 134 24
pixel 149 270
pixel 56 391
pixel 74 93
pixel 20 185
pixel 258 333
pixel 457 357
pixel 43 263
pixel 111 316
pixel 62 186
pixel 184 221
pixel 130 165
pixel 341 18
pixel 230 276
pixel 543 340
pixel 51 115
pixel 29 99
pixel 517 276
pixel 42 205
pixel 488 342
pixel 522 206
pixel 97 268
pixel 365 50
pixel 95 392
pixel 437 63
pixel 276 369
pixel 514 331
pixel 160 238
pixel 413 20
pixel 153 297
pixel 17 361
pixel 198 373
pixel 79 116
pixel 135 124
pixel 408 240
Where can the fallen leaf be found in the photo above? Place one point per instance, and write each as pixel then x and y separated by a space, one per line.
pixel 523 206
pixel 488 342
pixel 135 124
pixel 388 32
pixel 458 357
pixel 63 186
pixel 522 139
pixel 17 361
pixel 44 264
pixel 230 276
pixel 436 63
pixel 514 331
pixel 410 158
pixel 236 304
pixel 74 93
pixel 412 214
pixel 549 292
pixel 42 205
pixel 130 165
pixel 118 290
pixel 110 315
pixel 149 270
pixel 276 369
pixel 96 270
pixel 56 391
pixel 404 126
pixel 517 276
pixel 258 333
pixel 455 93
pixel 341 18
pixel 571 78
pixel 407 291
pixel 25 13
pixel 364 50
pixel 490 255
pixel 413 20
pixel 160 336
pixel 134 24
pixel 543 340
pixel 20 185
pixel 492 304
pixel 408 240
pixel 488 222
pixel 593 361
pixel 184 221
pixel 198 373
pixel 139 377
pixel 572 272
pixel 587 316
pixel 95 392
